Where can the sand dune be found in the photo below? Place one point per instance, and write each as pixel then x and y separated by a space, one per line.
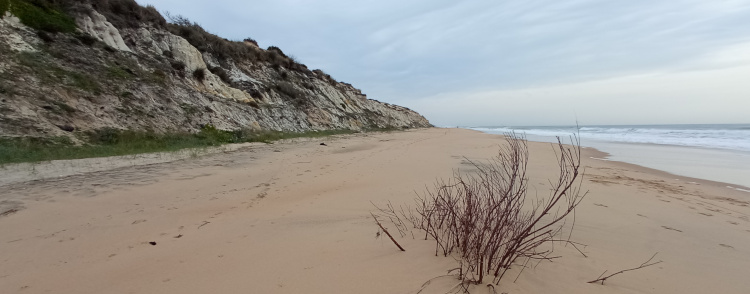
pixel 293 217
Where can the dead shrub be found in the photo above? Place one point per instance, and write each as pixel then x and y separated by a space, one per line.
pixel 221 73
pixel 199 74
pixel 485 219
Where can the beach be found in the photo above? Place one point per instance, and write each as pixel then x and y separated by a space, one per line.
pixel 294 217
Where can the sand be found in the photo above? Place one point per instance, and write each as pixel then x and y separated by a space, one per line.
pixel 293 217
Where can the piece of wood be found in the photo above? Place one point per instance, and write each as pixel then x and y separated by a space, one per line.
pixel 386 232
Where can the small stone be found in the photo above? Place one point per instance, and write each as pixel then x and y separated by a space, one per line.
pixel 67 128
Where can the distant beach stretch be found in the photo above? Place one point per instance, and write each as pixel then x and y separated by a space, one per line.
pixel 715 152
pixel 294 217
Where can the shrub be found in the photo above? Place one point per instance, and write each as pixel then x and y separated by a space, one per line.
pixel 215 136
pixel 105 136
pixel 221 73
pixel 81 81
pixel 118 72
pixel 276 50
pixel 204 41
pixel 250 40
pixel 255 94
pixel 128 14
pixel 47 38
pixel 178 65
pixel 86 39
pixel 4 6
pixel 289 90
pixel 42 15
pixel 159 76
pixel 199 74
pixel 485 219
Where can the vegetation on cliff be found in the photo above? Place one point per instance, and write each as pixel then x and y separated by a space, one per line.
pixel 114 142
pixel 41 15
pixel 82 68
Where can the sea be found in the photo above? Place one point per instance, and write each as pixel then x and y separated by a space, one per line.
pixel 717 152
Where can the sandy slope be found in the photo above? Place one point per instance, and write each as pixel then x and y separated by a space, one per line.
pixel 293 218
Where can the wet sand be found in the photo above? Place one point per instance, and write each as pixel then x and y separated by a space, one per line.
pixel 293 217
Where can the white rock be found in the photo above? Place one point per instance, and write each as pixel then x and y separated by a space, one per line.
pixel 183 51
pixel 97 26
pixel 9 24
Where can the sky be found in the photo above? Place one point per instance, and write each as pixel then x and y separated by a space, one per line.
pixel 510 62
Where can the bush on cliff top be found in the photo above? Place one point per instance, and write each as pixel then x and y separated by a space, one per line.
pixel 40 14
pixel 53 16
pixel 4 6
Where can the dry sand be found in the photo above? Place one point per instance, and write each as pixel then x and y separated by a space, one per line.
pixel 294 218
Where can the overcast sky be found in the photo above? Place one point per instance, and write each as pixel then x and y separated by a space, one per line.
pixel 508 62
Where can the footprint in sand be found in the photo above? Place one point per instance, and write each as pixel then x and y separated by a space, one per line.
pixel 706 214
pixel 734 223
pixel 727 246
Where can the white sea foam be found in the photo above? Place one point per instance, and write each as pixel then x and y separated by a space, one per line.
pixel 738 189
pixel 730 137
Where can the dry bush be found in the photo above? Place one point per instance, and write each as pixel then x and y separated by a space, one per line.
pixel 485 218
pixel 199 74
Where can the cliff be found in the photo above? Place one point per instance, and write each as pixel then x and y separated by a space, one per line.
pixel 69 67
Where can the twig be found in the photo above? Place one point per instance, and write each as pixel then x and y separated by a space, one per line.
pixel 491 289
pixel 645 264
pixel 424 286
pixel 386 232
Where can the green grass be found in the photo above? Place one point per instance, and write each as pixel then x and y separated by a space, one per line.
pixel 112 142
pixel 4 5
pixel 48 72
pixel 40 15
pixel 118 73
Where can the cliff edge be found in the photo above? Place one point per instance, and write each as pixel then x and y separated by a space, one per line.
pixel 69 67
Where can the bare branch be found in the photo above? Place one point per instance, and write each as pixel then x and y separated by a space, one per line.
pixel 386 232
pixel 647 263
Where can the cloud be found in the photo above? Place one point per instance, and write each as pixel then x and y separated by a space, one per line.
pixel 404 51
pixel 705 96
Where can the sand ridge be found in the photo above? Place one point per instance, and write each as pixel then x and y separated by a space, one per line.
pixel 293 217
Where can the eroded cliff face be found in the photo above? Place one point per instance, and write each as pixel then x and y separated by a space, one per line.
pixel 147 78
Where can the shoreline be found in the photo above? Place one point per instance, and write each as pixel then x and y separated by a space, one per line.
pixel 294 217
pixel 597 154
pixel 718 165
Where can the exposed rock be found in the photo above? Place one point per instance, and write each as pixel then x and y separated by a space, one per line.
pixel 97 26
pixel 10 34
pixel 148 84
pixel 184 52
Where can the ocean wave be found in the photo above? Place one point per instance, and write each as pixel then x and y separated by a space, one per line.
pixel 732 137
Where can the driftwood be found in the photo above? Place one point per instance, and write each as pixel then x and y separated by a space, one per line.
pixel 645 264
pixel 386 232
